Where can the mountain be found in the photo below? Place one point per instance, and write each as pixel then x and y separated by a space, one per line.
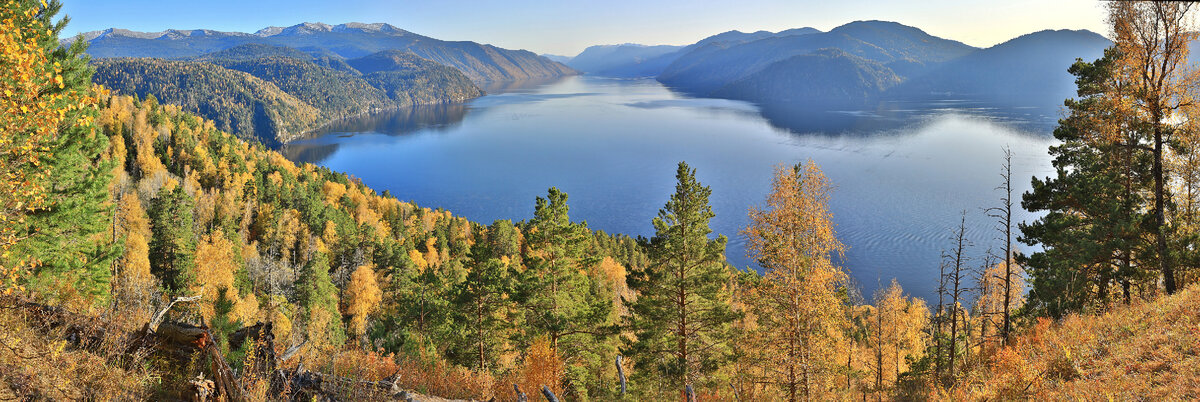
pixel 310 92
pixel 236 101
pixel 711 66
pixel 557 58
pixel 482 63
pixel 826 76
pixel 633 60
pixel 621 60
pixel 252 51
pixel 1032 66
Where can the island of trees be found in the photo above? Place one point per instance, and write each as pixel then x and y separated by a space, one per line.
pixel 145 253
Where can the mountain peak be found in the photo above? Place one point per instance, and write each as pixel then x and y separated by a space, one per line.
pixel 365 27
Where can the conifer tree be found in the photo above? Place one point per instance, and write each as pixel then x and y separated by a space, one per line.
pixel 1092 233
pixel 482 303
pixel 319 304
pixel 682 317
pixel 173 244
pixel 559 297
pixel 65 235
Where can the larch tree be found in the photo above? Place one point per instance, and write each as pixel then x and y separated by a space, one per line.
pixel 682 318
pixel 800 308
pixel 133 284
pixel 362 297
pixel 896 337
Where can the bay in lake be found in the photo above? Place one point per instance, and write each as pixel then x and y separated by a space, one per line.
pixel 903 171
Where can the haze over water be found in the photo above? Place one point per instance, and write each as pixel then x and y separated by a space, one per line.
pixel 903 171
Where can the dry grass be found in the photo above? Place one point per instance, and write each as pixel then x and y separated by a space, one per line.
pixel 38 362
pixel 1146 351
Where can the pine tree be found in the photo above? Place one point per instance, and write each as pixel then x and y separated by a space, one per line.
pixel 1096 208
pixel 682 317
pixel 319 305
pixel 223 322
pixel 65 235
pixel 173 244
pixel 560 299
pixel 482 306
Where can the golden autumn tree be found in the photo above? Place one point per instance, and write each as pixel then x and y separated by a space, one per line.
pixel 217 265
pixel 990 307
pixel 1151 39
pixel 800 312
pixel 134 284
pixel 362 298
pixel 896 334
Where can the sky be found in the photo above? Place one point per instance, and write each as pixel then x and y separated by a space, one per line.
pixel 566 27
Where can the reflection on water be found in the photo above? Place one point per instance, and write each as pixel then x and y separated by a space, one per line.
pixel 903 171
pixel 399 121
pixel 803 118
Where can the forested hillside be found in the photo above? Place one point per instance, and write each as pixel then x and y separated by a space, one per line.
pixel 147 254
pixel 236 101
pixel 287 93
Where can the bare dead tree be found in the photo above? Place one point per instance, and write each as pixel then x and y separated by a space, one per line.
pixel 1004 225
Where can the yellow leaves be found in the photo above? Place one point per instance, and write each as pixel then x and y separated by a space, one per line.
pixel 362 298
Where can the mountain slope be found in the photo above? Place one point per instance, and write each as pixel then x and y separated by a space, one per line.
pixel 827 76
pixel 1147 351
pixel 714 65
pixel 236 101
pixel 320 90
pixel 480 62
pixel 620 60
pixel 1032 66
pixel 632 60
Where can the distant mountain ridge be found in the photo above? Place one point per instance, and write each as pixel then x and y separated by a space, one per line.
pixel 872 60
pixel 276 94
pixel 636 60
pixel 482 63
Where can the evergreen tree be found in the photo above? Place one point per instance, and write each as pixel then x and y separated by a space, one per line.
pixel 482 313
pixel 682 317
pixel 66 234
pixel 319 304
pixel 173 244
pixel 223 323
pixel 1092 234
pixel 560 299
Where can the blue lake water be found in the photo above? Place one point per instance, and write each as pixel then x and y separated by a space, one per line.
pixel 903 171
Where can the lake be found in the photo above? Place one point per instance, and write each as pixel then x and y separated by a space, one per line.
pixel 903 171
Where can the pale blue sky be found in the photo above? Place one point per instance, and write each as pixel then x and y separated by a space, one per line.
pixel 567 26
